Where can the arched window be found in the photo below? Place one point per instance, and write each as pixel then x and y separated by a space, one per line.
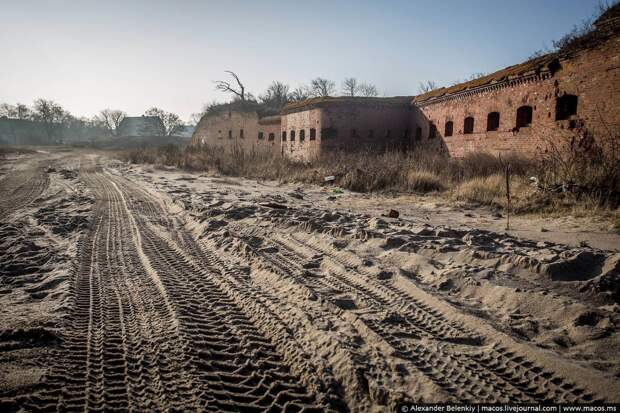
pixel 272 136
pixel 312 134
pixel 468 125
pixel 292 136
pixel 283 136
pixel 524 116
pixel 448 130
pixel 493 121
pixel 565 107
pixel 432 131
pixel 302 135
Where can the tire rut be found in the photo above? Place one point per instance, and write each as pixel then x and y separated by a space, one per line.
pixel 449 355
pixel 20 189
pixel 161 335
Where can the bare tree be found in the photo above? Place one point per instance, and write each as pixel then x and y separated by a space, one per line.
pixel 170 122
pixel 427 86
pixel 350 87
pixel 224 86
pixel 320 87
pixel 52 115
pixel 276 95
pixel 111 119
pixel 299 93
pixel 368 90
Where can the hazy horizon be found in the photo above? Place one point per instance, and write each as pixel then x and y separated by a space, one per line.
pixel 89 55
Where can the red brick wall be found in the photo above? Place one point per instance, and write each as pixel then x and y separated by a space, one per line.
pixel 213 130
pixel 592 75
pixel 298 149
pixel 343 118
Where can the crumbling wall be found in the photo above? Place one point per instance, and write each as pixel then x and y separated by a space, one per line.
pixel 236 129
pixel 348 127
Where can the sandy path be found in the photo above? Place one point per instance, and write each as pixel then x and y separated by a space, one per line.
pixel 149 332
pixel 189 294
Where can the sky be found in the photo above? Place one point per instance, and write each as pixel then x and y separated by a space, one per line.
pixel 133 55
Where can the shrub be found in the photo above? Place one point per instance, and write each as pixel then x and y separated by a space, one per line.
pixel 424 181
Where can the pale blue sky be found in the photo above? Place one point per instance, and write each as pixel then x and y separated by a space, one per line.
pixel 131 55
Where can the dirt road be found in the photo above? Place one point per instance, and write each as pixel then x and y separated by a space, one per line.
pixel 201 294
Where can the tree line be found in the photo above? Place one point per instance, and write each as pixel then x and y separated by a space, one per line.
pixel 53 118
pixel 279 93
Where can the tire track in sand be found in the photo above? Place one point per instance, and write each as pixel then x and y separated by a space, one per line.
pixel 449 355
pixel 20 188
pixel 149 333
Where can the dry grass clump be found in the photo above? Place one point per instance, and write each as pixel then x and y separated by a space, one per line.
pixel 584 167
pixel 424 181
pixel 486 190
pixel 491 190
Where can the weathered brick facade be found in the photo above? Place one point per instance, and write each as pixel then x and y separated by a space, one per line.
pixel 326 124
pixel 571 93
pixel 517 109
pixel 241 129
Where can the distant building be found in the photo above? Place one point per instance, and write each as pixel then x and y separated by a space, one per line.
pixel 141 126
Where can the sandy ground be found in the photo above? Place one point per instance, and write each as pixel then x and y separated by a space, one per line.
pixel 135 288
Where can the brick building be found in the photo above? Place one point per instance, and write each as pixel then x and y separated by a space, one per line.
pixel 517 109
pixel 241 125
pixel 344 123
pixel 522 107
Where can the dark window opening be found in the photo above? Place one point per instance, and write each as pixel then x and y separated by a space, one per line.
pixel 432 131
pixel 241 133
pixel 524 116
pixel 418 133
pixel 260 136
pixel 292 136
pixel 353 133
pixel 229 134
pixel 565 107
pixel 329 133
pixel 312 134
pixel 272 136
pixel 449 128
pixel 284 136
pixel 468 125
pixel 493 121
pixel 302 135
